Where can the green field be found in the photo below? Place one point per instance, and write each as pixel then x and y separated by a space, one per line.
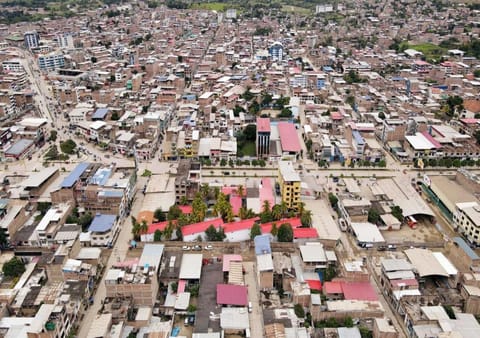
pixel 296 10
pixel 431 51
pixel 212 6
pixel 249 149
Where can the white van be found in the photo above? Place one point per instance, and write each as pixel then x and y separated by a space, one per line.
pixel 249 306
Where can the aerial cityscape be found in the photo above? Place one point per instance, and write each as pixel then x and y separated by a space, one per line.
pixel 278 169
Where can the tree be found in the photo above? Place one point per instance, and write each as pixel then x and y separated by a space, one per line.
pixel 214 235
pixel 223 162
pixel 53 135
pixel 174 213
pixel 115 116
pixel 93 59
pixel 397 212
pixel 159 215
pixel 157 235
pixel 222 207
pixel 306 218
pixel 299 311
pixel 381 115
pixel 14 267
pixel 276 212
pixel 168 231
pixel 373 216
pixel 135 229
pixel 85 220
pixel 285 233
pixel 205 190
pixel 255 231
pixel 68 147
pixel 274 229
pixel 52 153
pixel 199 208
pixel 333 199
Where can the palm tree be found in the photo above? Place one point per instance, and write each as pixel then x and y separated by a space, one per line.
pixel 306 218
pixel 136 230
pixel 143 227
pixel 301 208
pixel 204 190
pixel 266 206
pixel 276 212
pixel 242 213
pixel 283 209
pixel 167 233
pixel 183 200
pixel 240 191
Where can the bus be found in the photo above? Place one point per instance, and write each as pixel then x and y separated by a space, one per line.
pixel 412 222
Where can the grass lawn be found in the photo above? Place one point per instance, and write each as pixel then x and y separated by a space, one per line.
pixel 249 149
pixel 296 10
pixel 431 51
pixel 212 6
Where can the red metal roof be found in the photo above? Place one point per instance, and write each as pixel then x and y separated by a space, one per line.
pixel 332 287
pixel 305 233
pixel 263 124
pixel 228 294
pixel 470 121
pixel 335 115
pixel 406 282
pixel 240 225
pixel 186 209
pixel 359 291
pixel 230 258
pixel 266 191
pixel 232 191
pixel 315 284
pixel 288 137
pixel 295 222
pixel 181 286
pixel 157 226
pixel 430 138
pixel 197 228
pixel 236 203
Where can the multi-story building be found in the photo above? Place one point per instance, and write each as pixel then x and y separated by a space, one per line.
pixel 138 281
pixel 466 219
pixel 65 40
pixel 263 137
pixel 31 39
pixel 13 65
pixel 276 51
pixel 51 61
pixel 393 130
pixel 289 181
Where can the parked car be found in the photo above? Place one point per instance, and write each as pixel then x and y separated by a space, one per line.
pixel 209 247
pixel 185 248
pixel 197 248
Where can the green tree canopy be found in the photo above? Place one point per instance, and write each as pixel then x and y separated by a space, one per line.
pixel 285 233
pixel 14 267
pixel 68 146
pixel 255 231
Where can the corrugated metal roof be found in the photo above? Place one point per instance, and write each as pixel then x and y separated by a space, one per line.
pixel 71 179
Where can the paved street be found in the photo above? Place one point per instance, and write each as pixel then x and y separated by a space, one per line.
pixel 256 316
pixel 119 252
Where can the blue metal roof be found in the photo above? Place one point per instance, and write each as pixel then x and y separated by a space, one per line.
pixel 262 244
pixel 112 193
pixel 101 176
pixel 100 113
pixel 70 180
pixel 102 223
pixel 465 247
pixel 358 138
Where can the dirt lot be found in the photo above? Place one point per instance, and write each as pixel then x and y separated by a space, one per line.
pixel 425 233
